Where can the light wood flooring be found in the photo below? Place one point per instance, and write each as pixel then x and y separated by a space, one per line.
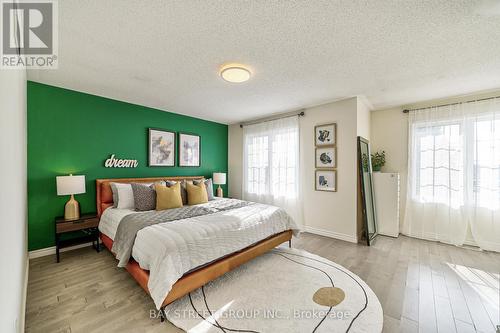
pixel 422 286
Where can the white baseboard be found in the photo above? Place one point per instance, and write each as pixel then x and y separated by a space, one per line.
pixel 22 318
pixel 430 236
pixel 470 242
pixel 52 250
pixel 331 234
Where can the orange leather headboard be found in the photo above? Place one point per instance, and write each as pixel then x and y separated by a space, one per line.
pixel 105 195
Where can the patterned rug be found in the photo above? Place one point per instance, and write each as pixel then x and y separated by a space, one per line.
pixel 284 290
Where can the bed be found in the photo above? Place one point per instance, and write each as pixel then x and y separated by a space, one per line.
pixel 173 258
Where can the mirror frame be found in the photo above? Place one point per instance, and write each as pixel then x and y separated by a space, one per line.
pixel 369 239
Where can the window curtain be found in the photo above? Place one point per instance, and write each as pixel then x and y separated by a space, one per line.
pixel 454 174
pixel 271 165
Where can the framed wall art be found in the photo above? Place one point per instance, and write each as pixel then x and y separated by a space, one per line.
pixel 326 180
pixel 161 149
pixel 326 157
pixel 189 150
pixel 325 135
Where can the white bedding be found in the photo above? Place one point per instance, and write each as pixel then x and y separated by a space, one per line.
pixel 110 219
pixel 169 250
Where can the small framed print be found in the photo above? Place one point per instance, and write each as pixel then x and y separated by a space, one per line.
pixel 189 150
pixel 326 157
pixel 161 148
pixel 326 180
pixel 325 135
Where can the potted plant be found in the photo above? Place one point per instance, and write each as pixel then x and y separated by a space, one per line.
pixel 378 161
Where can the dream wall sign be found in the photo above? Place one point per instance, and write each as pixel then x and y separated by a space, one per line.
pixel 114 162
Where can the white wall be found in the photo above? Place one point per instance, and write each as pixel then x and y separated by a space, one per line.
pixel 329 213
pixel 363 120
pixel 235 160
pixel 13 235
pixel 332 214
pixel 389 132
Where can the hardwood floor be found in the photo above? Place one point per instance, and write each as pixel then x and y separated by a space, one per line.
pixel 422 286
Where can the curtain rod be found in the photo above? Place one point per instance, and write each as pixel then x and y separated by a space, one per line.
pixel 449 104
pixel 280 116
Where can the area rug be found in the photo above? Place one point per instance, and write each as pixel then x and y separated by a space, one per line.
pixel 284 290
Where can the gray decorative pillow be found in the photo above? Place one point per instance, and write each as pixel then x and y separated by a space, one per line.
pixel 144 196
pixel 169 183
pixel 115 194
pixel 209 187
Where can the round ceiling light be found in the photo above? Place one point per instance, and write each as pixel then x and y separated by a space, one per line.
pixel 235 73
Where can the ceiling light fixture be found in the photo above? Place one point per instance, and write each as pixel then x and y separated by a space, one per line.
pixel 235 73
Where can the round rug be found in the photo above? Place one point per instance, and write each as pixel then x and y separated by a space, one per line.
pixel 284 290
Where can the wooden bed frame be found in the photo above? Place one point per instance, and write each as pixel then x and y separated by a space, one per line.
pixel 194 279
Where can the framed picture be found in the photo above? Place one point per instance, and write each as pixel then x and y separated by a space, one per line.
pixel 326 157
pixel 325 135
pixel 326 180
pixel 189 150
pixel 161 148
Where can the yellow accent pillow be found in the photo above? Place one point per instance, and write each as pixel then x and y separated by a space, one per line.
pixel 168 197
pixel 197 194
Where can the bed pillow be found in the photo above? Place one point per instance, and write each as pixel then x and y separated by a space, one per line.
pixel 114 190
pixel 209 186
pixel 168 197
pixel 123 196
pixel 170 183
pixel 197 194
pixel 144 196
pixel 184 194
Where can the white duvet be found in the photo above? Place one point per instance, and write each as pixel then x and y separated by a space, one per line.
pixel 169 250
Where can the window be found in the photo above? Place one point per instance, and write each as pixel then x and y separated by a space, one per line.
pixel 271 165
pixel 258 164
pixel 454 174
pixel 486 167
pixel 439 169
pixel 448 153
pixel 272 159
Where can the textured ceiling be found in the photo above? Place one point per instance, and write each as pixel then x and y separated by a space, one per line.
pixel 166 54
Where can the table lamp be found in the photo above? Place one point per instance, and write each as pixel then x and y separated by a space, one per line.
pixel 71 185
pixel 219 178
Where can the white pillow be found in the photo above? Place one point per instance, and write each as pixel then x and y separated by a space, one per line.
pixel 124 196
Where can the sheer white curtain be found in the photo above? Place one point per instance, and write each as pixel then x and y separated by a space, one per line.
pixel 454 174
pixel 271 165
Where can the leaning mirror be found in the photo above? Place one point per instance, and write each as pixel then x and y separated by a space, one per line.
pixel 367 197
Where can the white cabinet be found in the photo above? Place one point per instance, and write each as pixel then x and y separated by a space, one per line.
pixel 386 187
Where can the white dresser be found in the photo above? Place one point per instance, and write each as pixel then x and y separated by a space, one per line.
pixel 386 188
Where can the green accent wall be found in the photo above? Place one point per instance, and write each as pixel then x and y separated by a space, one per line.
pixel 74 132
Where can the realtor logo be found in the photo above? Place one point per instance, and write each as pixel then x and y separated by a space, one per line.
pixel 29 34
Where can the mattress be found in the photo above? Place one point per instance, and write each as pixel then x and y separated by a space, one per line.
pixel 111 218
pixel 169 250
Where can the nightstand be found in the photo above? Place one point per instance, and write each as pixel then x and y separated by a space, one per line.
pixel 86 224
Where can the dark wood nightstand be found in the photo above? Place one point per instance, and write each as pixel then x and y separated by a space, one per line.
pixel 86 224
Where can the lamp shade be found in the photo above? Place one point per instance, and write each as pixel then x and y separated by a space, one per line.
pixel 219 178
pixel 67 185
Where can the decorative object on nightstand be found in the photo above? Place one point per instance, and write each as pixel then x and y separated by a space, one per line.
pixel 219 179
pixel 87 224
pixel 71 185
